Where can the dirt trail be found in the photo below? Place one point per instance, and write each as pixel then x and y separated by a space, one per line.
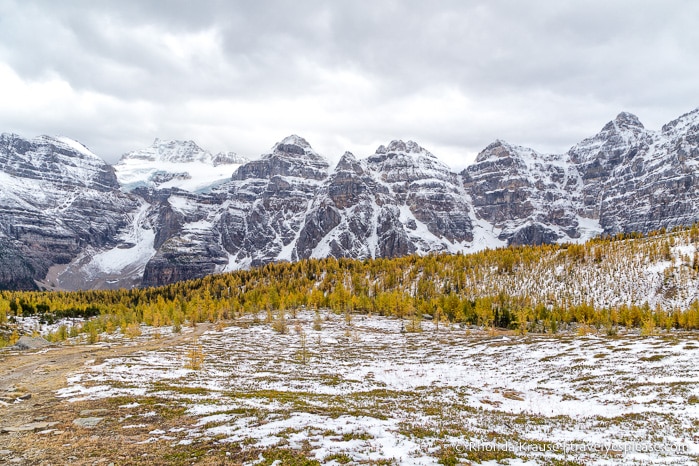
pixel 40 373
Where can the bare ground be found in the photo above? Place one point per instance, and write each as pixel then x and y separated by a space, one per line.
pixel 37 427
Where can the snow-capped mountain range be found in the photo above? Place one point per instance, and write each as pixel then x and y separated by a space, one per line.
pixel 176 164
pixel 174 211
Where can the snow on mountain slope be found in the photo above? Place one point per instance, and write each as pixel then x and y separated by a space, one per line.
pixel 115 266
pixel 270 200
pixel 398 201
pixel 284 206
pixel 634 179
pixel 524 194
pixel 135 249
pixel 293 156
pixel 402 200
pixel 625 178
pixel 56 199
pixel 252 219
pixel 431 192
pixel 176 164
pixel 54 160
pixel 342 220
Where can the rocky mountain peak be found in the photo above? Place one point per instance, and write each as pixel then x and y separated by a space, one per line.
pixel 293 156
pixel 169 151
pixel 683 123
pixel 348 162
pixel 295 140
pixel 406 147
pixel 624 124
pixel 407 162
pixel 293 145
pixel 496 149
pixel 74 148
pixel 524 155
pixel 626 120
pixel 58 159
pixel 181 151
pixel 622 135
pixel 296 149
pixel 59 145
pixel 175 164
pixel 228 158
pixel 286 205
pixel 57 199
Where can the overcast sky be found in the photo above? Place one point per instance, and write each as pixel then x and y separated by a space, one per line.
pixel 346 75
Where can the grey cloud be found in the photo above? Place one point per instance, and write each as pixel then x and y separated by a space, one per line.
pixel 540 73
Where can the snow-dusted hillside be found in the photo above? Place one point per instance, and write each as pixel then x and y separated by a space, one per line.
pixel 365 392
pixel 661 270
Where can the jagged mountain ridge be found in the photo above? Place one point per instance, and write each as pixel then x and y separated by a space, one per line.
pixel 290 204
pixel 57 199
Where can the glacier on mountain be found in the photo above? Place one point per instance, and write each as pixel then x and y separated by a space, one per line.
pixel 176 164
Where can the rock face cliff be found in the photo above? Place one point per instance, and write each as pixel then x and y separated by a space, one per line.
pixel 251 220
pixel 398 201
pixel 625 178
pixel 56 199
pixel 526 196
pixel 174 211
pixel 633 179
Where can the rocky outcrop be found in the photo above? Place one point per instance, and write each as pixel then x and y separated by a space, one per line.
pixel 634 179
pixel 625 178
pixel 18 270
pixel 398 201
pixel 342 219
pixel 59 161
pixel 524 194
pixel 268 199
pixel 292 157
pixel 598 157
pixel 187 243
pixel 56 199
pixel 184 258
pixel 430 191
pixel 350 184
pixel 392 237
pixel 287 206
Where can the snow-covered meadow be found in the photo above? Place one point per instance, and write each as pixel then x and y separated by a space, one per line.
pixel 362 390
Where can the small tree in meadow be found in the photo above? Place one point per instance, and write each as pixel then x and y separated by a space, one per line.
pixel 195 358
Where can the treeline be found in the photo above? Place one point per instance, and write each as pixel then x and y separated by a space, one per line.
pixel 476 289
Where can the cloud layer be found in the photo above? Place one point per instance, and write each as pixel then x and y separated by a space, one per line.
pixel 452 75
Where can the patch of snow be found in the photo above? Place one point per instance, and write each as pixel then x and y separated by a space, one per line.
pixel 140 238
pixel 76 146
